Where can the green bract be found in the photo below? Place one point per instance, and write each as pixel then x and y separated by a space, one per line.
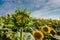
pixel 21 18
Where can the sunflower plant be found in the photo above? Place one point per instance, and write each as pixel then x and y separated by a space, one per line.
pixel 21 19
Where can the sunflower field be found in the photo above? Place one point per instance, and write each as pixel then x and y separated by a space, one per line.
pixel 19 25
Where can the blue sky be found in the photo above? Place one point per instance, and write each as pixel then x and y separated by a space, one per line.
pixel 38 8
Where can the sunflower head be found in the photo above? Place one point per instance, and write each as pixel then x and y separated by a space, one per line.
pixel 53 32
pixel 8 15
pixel 38 35
pixel 9 36
pixel 45 29
pixel 19 18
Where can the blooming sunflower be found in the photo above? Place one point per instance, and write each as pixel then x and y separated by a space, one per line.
pixel 45 29
pixel 38 35
pixel 9 36
pixel 53 32
pixel 8 15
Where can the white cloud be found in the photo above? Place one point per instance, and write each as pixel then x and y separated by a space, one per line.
pixel 39 13
pixel 48 10
pixel 55 2
pixel 52 4
pixel 53 17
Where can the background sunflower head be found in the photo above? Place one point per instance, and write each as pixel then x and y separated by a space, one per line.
pixel 53 32
pixel 8 15
pixel 9 36
pixel 45 29
pixel 38 35
pixel 6 37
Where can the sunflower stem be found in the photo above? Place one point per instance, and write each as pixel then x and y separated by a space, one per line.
pixel 21 34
